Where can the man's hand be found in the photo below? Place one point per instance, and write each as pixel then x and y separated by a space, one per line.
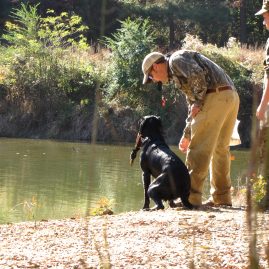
pixel 261 110
pixel 183 144
pixel 195 109
pixel 260 113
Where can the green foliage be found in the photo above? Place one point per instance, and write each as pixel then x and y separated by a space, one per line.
pixel 103 207
pixel 212 20
pixel 212 17
pixel 129 46
pixel 255 30
pixel 47 69
pixel 259 188
pixel 45 64
pixel 23 32
pixel 175 18
pixel 62 30
pixel 31 30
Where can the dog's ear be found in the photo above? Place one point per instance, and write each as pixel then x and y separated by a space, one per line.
pixel 159 122
pixel 141 124
pixel 159 119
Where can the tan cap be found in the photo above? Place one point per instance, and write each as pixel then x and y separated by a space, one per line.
pixel 265 8
pixel 148 61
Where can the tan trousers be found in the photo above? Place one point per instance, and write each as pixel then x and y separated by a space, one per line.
pixel 211 131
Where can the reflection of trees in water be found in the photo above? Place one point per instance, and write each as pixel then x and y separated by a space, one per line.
pixel 116 179
pixel 71 177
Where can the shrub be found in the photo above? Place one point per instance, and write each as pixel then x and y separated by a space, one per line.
pixel 129 45
pixel 62 31
pixel 45 59
pixel 259 189
pixel 103 207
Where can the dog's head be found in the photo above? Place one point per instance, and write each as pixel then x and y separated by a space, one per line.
pixel 149 127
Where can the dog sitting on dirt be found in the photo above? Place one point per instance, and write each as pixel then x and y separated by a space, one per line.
pixel 172 179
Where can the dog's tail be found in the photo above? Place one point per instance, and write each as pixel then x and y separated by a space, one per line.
pixel 137 147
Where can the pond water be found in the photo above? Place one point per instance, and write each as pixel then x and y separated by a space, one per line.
pixel 43 179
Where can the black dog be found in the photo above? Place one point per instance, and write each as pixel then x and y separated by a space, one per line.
pixel 172 176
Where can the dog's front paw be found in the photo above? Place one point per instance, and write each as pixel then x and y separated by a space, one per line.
pixel 157 207
pixel 146 206
pixel 172 204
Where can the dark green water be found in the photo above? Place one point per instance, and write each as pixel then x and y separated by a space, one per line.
pixel 42 179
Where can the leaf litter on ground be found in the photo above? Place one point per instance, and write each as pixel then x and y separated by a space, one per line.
pixel 171 238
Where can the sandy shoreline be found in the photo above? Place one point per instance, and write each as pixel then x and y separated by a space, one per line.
pixel 213 238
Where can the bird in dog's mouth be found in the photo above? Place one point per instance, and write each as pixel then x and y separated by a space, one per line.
pixel 138 143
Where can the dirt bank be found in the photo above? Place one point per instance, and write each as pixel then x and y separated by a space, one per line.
pixel 211 238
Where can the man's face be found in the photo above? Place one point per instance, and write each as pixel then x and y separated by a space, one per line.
pixel 159 72
pixel 266 20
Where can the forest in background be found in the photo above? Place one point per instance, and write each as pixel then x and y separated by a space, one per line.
pixel 72 69
pixel 214 21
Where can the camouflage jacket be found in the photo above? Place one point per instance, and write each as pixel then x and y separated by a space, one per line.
pixel 193 74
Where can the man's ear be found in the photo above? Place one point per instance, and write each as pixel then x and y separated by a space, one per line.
pixel 155 66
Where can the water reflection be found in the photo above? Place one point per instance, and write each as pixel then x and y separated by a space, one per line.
pixel 67 179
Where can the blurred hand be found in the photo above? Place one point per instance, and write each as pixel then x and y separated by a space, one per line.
pixel 260 113
pixel 183 144
pixel 195 109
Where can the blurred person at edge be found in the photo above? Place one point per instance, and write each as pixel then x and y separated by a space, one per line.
pixel 213 104
pixel 262 109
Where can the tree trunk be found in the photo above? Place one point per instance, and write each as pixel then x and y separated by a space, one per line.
pixel 171 33
pixel 103 19
pixel 243 20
